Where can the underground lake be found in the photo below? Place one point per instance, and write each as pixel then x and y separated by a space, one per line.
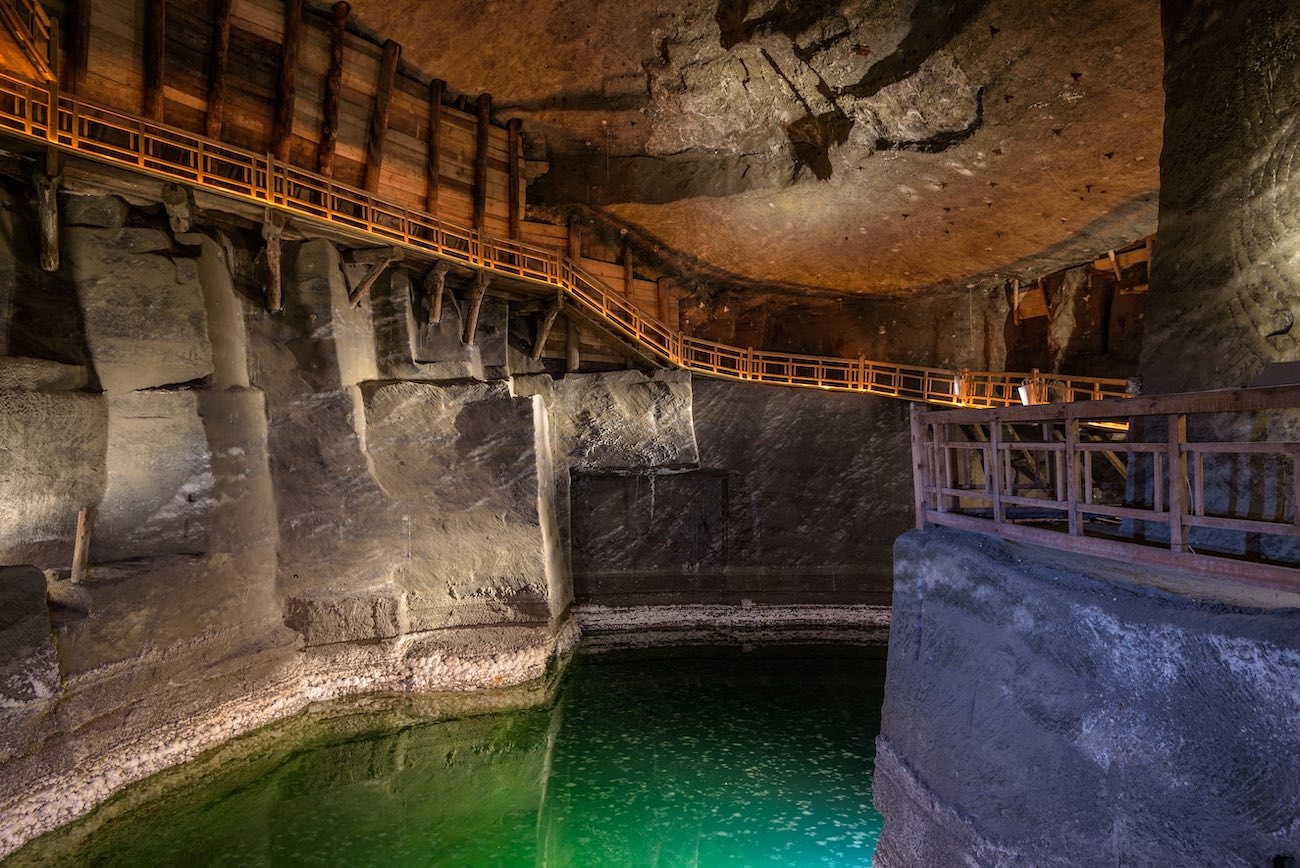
pixel 736 755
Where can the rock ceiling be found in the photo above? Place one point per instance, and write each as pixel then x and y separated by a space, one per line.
pixel 857 147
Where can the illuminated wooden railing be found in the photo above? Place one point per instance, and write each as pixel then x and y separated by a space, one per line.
pixel 41 113
pixel 30 26
pixel 1123 479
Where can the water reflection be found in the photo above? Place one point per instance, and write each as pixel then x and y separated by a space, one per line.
pixel 691 757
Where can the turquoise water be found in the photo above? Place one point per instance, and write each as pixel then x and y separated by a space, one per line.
pixel 691 757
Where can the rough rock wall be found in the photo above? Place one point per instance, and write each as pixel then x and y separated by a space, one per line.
pixel 1049 711
pixel 796 498
pixel 1224 264
pixel 289 507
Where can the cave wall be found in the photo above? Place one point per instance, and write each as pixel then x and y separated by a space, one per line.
pixel 795 497
pixel 1224 264
pixel 289 507
pixel 1054 711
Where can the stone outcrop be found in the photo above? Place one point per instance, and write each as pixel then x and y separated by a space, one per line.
pixel 1047 711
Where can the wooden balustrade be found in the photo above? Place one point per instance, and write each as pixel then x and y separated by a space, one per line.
pixel 41 113
pixel 1123 479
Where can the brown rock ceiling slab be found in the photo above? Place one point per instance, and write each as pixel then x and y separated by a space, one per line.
pixel 965 140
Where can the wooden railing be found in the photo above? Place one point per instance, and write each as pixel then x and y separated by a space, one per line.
pixel 1123 479
pixel 30 26
pixel 40 112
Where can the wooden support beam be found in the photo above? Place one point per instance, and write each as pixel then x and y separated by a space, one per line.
pixel 547 323
pixel 432 166
pixel 216 114
pixel 515 173
pixel 481 159
pixel 1114 264
pixel 572 346
pixel 662 286
pixel 155 45
pixel 282 126
pixel 272 229
pixel 380 258
pixel 81 544
pixel 379 117
pixel 435 284
pixel 575 239
pixel 481 281
pixel 46 179
pixel 77 16
pixel 180 211
pixel 329 124
pixel 627 271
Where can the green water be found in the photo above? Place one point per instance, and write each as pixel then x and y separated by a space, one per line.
pixel 694 757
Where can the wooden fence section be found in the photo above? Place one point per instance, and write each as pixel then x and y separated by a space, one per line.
pixel 1123 479
pixel 30 27
pixel 40 113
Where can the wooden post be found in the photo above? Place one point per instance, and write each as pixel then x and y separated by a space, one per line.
pixel 217 72
pixel 379 258
pixel 282 127
pixel 379 117
pixel 432 169
pixel 481 281
pixel 572 346
pixel 544 328
pixel 272 228
pixel 920 466
pixel 78 54
pixel 329 124
pixel 514 171
pixel 995 469
pixel 627 271
pixel 81 544
pixel 662 287
pixel 1177 461
pixel 1072 476
pixel 482 132
pixel 155 44
pixel 180 213
pixel 435 284
pixel 46 180
pixel 575 240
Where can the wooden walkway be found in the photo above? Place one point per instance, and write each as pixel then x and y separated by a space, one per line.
pixel 39 113
pixel 1124 480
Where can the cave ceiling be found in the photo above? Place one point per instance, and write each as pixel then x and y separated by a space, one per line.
pixel 855 147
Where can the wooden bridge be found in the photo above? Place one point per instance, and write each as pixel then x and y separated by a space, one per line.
pixel 34 109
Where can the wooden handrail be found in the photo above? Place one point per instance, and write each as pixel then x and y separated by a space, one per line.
pixel 1177 505
pixel 30 26
pixel 41 113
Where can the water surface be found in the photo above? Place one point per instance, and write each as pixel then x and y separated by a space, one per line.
pixel 699 756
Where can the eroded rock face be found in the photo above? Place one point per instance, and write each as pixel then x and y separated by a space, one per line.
pixel 1166 719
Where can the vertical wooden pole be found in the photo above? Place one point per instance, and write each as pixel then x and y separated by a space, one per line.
pixel 46 179
pixel 272 227
pixel 575 240
pixel 379 117
pixel 217 72
pixel 920 467
pixel 995 469
pixel 81 544
pixel 482 133
pixel 155 51
pixel 329 123
pixel 481 281
pixel 432 176
pixel 515 175
pixel 78 61
pixel 435 284
pixel 282 127
pixel 661 286
pixel 627 271
pixel 547 323
pixel 572 346
pixel 1177 461
pixel 1072 476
